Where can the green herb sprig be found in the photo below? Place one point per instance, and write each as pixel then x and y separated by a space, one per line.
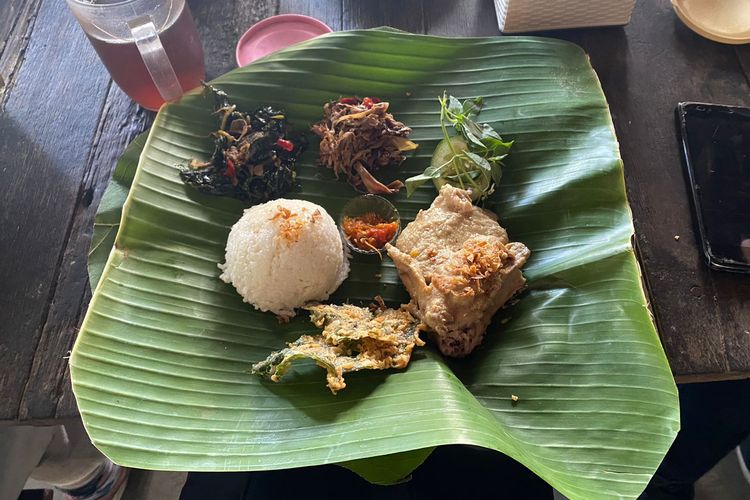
pixel 475 162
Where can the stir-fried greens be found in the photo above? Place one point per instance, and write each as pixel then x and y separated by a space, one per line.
pixel 471 160
pixel 254 158
pixel 358 137
pixel 353 338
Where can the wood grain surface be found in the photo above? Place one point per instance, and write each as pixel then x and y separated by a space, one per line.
pixel 63 124
pixel 703 316
pixel 50 115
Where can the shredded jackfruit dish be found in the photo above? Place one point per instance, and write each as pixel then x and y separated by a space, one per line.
pixel 358 138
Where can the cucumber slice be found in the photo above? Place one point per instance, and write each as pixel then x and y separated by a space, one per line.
pixel 443 151
pixel 442 154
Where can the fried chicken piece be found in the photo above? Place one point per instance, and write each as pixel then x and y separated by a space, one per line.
pixel 459 268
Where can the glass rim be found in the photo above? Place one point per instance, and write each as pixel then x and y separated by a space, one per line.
pixel 117 3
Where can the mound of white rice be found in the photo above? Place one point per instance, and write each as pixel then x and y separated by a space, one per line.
pixel 283 254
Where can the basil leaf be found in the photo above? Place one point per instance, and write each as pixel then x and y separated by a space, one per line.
pixel 496 159
pixel 488 131
pixel 412 183
pixel 472 106
pixel 496 171
pixel 435 171
pixel 473 133
pixel 478 160
pixel 495 146
pixel 454 106
pixel 471 174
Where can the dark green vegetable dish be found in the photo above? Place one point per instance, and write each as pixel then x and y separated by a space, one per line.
pixel 254 158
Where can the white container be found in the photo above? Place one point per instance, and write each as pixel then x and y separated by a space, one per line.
pixel 516 16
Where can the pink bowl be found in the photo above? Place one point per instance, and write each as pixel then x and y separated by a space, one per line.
pixel 275 33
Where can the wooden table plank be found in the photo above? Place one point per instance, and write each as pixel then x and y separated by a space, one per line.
pixel 219 28
pixel 646 69
pixel 330 12
pixel 47 393
pixel 49 118
pixel 407 15
pixel 16 22
pixel 461 18
pixel 743 54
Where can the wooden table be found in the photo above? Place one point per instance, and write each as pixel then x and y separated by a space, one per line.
pixel 63 124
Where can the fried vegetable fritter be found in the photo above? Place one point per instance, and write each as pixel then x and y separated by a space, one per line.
pixel 353 338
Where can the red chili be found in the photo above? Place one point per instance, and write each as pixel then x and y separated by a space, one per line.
pixel 367 102
pixel 285 145
pixel 230 169
pixel 349 100
pixel 231 172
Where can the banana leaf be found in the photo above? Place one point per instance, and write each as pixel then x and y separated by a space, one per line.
pixel 109 213
pixel 159 367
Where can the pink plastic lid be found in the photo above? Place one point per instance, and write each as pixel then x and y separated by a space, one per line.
pixel 275 33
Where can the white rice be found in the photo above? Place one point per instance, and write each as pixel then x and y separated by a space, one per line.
pixel 283 254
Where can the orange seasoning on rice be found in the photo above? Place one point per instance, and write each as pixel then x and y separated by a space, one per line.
pixel 369 231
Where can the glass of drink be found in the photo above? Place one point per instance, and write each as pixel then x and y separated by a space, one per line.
pixel 150 47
